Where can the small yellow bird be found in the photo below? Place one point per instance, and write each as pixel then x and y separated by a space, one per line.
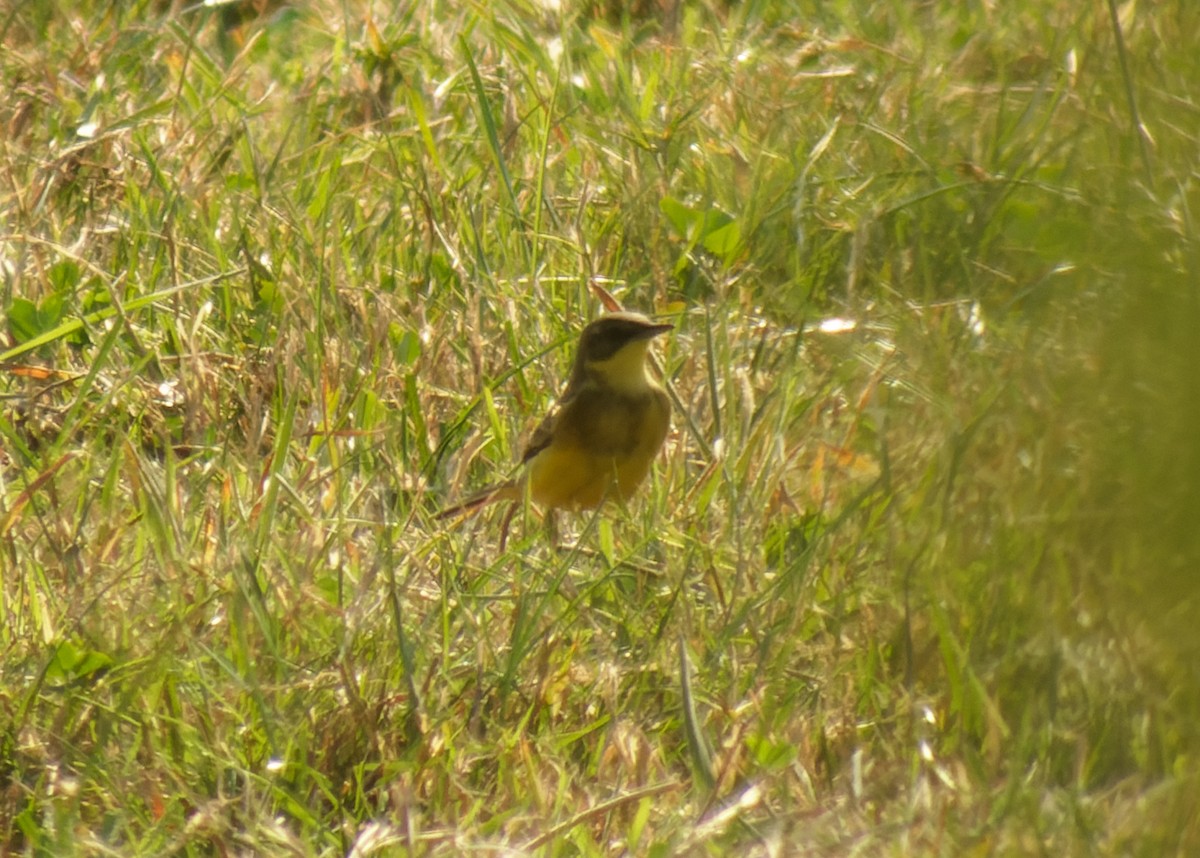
pixel 601 438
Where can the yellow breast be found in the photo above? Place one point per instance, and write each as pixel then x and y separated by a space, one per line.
pixel 602 447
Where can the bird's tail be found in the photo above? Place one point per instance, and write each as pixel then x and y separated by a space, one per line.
pixel 511 491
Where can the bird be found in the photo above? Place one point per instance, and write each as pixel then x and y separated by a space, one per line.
pixel 600 439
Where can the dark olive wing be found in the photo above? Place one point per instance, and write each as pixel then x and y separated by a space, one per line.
pixel 544 432
pixel 542 435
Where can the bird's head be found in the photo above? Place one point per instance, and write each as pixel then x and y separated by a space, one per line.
pixel 614 348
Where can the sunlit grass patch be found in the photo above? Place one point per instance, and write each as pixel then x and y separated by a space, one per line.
pixel 912 575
